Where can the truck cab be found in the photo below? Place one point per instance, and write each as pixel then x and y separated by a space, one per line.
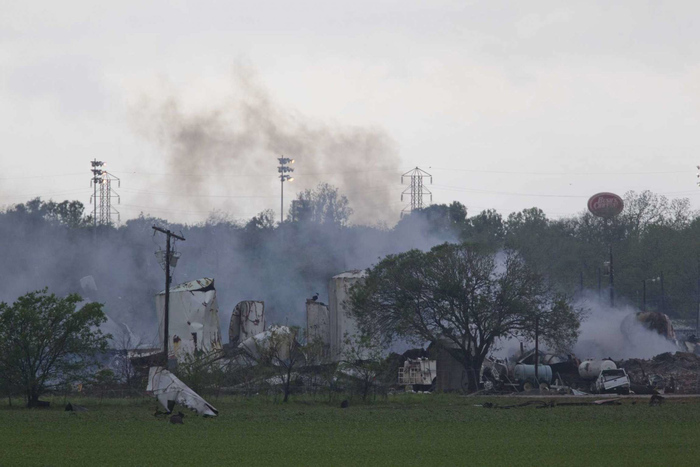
pixel 613 381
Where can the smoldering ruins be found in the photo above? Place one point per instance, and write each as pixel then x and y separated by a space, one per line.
pixel 242 289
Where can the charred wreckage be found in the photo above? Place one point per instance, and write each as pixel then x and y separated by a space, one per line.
pixel 194 327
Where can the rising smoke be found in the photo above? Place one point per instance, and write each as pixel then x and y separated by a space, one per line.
pixel 602 333
pixel 215 147
pixel 233 143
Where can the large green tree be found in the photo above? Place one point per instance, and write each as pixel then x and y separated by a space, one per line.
pixel 47 341
pixel 462 298
pixel 322 205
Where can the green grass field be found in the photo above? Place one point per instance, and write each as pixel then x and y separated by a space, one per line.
pixel 406 430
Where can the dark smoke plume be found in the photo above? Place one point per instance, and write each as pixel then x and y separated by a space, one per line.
pixel 233 144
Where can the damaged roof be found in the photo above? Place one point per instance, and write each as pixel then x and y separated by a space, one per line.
pixel 199 285
pixel 354 273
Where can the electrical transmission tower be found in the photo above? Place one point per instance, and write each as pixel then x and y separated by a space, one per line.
pixel 284 170
pixel 416 189
pixel 102 194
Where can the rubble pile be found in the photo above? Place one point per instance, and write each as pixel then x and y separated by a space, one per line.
pixel 678 372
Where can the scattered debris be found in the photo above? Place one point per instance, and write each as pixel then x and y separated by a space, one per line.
pixel 550 404
pixel 75 408
pixel 159 412
pixel 608 402
pixel 168 389
pixel 177 419
pixel 679 372
pixel 493 405
pixel 656 400
pixel 420 372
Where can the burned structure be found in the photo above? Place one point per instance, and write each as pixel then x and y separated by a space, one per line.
pixel 318 326
pixel 247 320
pixel 342 325
pixel 194 318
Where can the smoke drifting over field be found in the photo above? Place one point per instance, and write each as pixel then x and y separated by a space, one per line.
pixel 233 143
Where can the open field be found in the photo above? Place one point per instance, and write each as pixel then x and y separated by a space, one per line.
pixel 403 430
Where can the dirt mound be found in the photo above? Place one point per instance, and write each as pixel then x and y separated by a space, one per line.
pixel 678 372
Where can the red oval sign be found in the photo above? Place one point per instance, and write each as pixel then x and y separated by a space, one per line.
pixel 605 205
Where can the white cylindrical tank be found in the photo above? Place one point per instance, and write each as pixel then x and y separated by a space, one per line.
pixel 342 325
pixel 525 373
pixel 590 369
pixel 318 323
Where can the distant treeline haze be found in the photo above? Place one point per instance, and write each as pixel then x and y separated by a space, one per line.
pixel 53 244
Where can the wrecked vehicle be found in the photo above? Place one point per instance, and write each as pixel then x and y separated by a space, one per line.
pixel 591 369
pixel 613 381
pixel 420 373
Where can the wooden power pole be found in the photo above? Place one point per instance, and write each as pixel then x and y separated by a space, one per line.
pixel 166 319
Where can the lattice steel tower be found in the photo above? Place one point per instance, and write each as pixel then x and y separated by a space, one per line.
pixel 416 189
pixel 102 194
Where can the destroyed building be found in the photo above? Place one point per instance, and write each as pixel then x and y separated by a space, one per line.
pixel 342 324
pixel 318 326
pixel 193 318
pixel 247 320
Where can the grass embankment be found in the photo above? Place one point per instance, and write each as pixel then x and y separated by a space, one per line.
pixel 406 430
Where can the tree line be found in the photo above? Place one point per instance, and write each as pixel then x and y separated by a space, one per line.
pixel 653 237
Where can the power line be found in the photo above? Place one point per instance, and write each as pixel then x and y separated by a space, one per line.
pixel 513 172
pixel 257 175
pixel 416 189
pixel 43 176
pixel 382 188
pixel 73 191
pixel 472 190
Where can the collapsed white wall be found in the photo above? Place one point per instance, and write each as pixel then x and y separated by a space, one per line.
pixel 193 318
pixel 169 390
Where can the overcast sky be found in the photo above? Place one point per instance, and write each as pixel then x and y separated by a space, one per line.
pixel 508 105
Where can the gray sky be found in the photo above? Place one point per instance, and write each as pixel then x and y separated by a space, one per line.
pixel 500 101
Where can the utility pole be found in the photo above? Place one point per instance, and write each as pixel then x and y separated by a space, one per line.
pixel 416 189
pixel 599 282
pixel 644 295
pixel 697 317
pixel 284 177
pixel 663 294
pixel 537 348
pixel 166 316
pixel 612 278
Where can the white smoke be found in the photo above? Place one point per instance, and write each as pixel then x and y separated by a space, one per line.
pixel 601 335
